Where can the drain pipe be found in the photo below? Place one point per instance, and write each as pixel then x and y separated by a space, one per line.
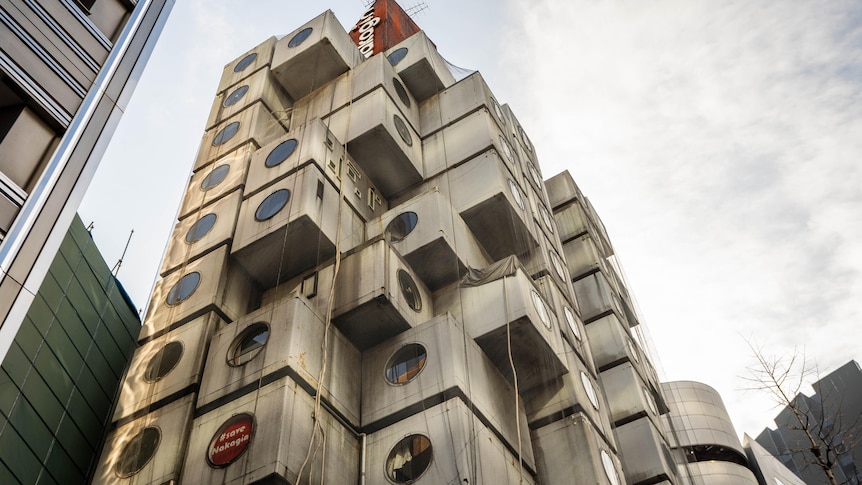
pixel 362 437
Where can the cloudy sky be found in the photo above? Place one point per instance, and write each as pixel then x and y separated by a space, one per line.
pixel 720 141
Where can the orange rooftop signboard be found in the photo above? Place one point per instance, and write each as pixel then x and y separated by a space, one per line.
pixel 382 26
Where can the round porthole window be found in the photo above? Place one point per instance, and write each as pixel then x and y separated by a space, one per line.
pixel 403 132
pixel 163 361
pixel 590 389
pixel 516 194
pixel 183 289
pixel 610 469
pixel 397 55
pixel 401 92
pixel 409 290
pixel 201 228
pixel 401 226
pixel 409 459
pixel 231 440
pixel 248 344
pixel 524 138
pixel 280 153
pixel 650 401
pixel 226 133
pixel 539 304
pixel 507 150
pixel 235 96
pixel 245 62
pixel 557 264
pixel 271 205
pixel 138 452
pixel 546 218
pixel 572 323
pixel 534 174
pixel 300 37
pixel 405 364
pixel 633 350
pixel 498 111
pixel 215 177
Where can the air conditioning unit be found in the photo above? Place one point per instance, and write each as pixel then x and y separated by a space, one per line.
pixel 458 100
pixel 247 64
pixel 423 69
pixel 644 453
pixel 446 443
pixel 283 338
pixel 291 227
pixel 378 295
pixel 431 237
pixel 571 447
pixel 313 55
pixel 165 368
pixel 148 450
pixel 611 343
pixel 204 285
pixel 376 135
pixel 216 180
pixel 430 363
pixel 260 86
pixel 629 395
pixel 263 437
pixel 256 125
pixel 202 232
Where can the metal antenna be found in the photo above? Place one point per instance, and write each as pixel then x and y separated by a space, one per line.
pixel 416 9
pixel 116 268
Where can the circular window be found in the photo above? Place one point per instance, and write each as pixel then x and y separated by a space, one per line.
pixel 516 193
pixel 557 264
pixel 226 133
pixel 409 290
pixel 215 177
pixel 507 150
pixel 573 324
pixel 401 226
pixel 271 205
pixel 138 452
pixel 546 218
pixel 248 344
pixel 280 153
pixel 403 132
pixel 534 174
pixel 590 389
pixel 405 364
pixel 650 401
pixel 163 361
pixel 542 309
pixel 409 459
pixel 633 350
pixel 397 55
pixel 498 111
pixel 610 469
pixel 402 93
pixel 235 96
pixel 201 228
pixel 245 62
pixel 525 139
pixel 231 440
pixel 300 37
pixel 183 289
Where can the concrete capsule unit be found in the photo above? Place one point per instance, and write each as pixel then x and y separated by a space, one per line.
pixel 571 447
pixel 458 100
pixel 216 180
pixel 246 65
pixel 256 125
pixel 421 67
pixel 644 452
pixel 259 86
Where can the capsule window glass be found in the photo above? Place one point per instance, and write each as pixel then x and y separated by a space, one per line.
pixel 183 289
pixel 280 153
pixel 557 264
pixel 397 55
pixel 498 111
pixel 248 344
pixel 507 150
pixel 406 363
pixel 163 361
pixel 226 133
pixel 546 218
pixel 138 452
pixel 201 228
pixel 245 62
pixel 524 138
pixel 403 132
pixel 650 401
pixel 539 305
pixel 610 469
pixel 534 174
pixel 572 323
pixel 516 194
pixel 401 92
pixel 633 350
pixel 215 177
pixel 401 226
pixel 409 290
pixel 235 96
pixel 590 389
pixel 409 459
pixel 300 37
pixel 272 204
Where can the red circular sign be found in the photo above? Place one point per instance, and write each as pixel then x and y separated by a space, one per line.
pixel 231 440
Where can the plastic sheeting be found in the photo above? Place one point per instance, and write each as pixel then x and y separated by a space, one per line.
pixel 507 266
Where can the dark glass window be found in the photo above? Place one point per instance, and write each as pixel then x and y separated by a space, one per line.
pixel 138 452
pixel 272 204
pixel 403 132
pixel 226 133
pixel 409 459
pixel 409 290
pixel 201 228
pixel 401 92
pixel 401 226
pixel 280 153
pixel 300 37
pixel 397 55
pixel 163 361
pixel 406 363
pixel 215 177
pixel 248 344
pixel 245 62
pixel 184 288
pixel 236 95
